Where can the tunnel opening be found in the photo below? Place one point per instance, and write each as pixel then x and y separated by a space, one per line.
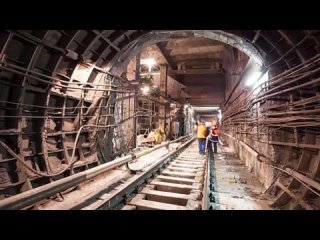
pixel 73 100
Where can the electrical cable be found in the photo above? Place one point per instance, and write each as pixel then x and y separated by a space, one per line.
pixel 70 164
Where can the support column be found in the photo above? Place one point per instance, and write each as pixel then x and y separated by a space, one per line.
pixel 135 100
pixel 163 96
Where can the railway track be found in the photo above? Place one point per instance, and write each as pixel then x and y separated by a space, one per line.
pixel 179 186
pixel 172 179
pixel 174 182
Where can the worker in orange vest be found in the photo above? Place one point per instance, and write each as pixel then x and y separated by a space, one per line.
pixel 215 138
pixel 202 133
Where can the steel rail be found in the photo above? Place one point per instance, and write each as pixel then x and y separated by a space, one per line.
pixel 118 196
pixel 33 196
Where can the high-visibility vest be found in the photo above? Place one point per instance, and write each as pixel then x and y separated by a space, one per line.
pixel 215 132
pixel 215 135
pixel 201 133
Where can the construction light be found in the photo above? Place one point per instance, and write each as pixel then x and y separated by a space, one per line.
pixel 150 62
pixel 145 90
pixel 253 78
pixel 257 78
pixel 219 115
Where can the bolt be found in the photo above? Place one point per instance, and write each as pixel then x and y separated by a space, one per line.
pixel 211 197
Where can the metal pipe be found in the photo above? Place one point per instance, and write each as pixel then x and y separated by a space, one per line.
pixel 62 86
pixel 278 79
pixel 253 101
pixel 57 79
pixel 237 83
pixel 33 196
pixel 292 48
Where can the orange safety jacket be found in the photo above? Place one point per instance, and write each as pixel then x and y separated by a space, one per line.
pixel 215 135
pixel 202 131
pixel 215 132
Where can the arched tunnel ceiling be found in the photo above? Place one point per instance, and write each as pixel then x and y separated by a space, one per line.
pixel 44 50
pixel 283 48
pixel 31 61
pixel 81 55
pixel 57 53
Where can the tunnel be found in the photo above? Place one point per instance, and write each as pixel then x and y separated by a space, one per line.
pixel 94 116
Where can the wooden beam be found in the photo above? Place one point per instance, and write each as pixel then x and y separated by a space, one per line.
pixel 176 180
pixel 304 178
pixel 194 71
pixel 200 62
pixel 168 197
pixel 214 57
pixel 294 196
pixel 166 55
pixel 142 204
pixel 186 50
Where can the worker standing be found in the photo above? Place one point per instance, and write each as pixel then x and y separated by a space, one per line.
pixel 202 134
pixel 215 138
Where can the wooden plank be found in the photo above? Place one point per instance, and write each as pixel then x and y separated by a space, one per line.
pixel 192 157
pixel 281 199
pixel 175 187
pixel 142 204
pixel 189 162
pixel 180 174
pixel 305 179
pixel 168 197
pixel 193 205
pixel 179 169
pixel 176 179
pixel 194 71
pixel 294 196
pixel 174 164
pixel 129 207
pixel 165 54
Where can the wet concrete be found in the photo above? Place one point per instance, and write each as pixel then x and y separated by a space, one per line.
pixel 235 188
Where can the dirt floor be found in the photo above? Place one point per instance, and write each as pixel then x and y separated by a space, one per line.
pixel 235 188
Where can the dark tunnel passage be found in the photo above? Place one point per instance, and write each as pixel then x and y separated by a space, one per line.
pixel 73 100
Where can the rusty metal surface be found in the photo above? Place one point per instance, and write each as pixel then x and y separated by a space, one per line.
pixel 33 196
pixel 54 81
